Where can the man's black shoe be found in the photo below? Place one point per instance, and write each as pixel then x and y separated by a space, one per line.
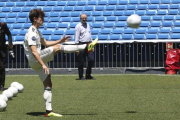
pixel 2 88
pixel 90 77
pixel 82 78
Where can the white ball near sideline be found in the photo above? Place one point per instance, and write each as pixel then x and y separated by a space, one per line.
pixel 3 105
pixel 14 90
pixel 134 21
pixel 13 84
pixel 8 93
pixel 4 97
pixel 20 87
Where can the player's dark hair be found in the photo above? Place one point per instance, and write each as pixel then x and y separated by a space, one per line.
pixel 36 13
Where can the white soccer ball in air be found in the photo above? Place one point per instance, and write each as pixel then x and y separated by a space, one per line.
pixel 3 105
pixel 20 87
pixel 134 21
pixel 14 90
pixel 8 93
pixel 3 97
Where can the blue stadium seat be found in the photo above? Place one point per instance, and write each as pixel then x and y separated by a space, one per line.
pixel 94 32
pixel 146 18
pixel 88 8
pixel 61 3
pixel 155 24
pixel 103 37
pixel 129 12
pixel 167 24
pixel 175 30
pixel 99 19
pixel 76 19
pixel 153 30
pixel 117 31
pixel 140 12
pixel 96 13
pixel 175 1
pixel 26 9
pixel 91 3
pixel 81 3
pixel 118 13
pixel 51 3
pixel 141 31
pixel 17 9
pixel 23 15
pixel 68 9
pixel 121 7
pixel 10 20
pixel 108 25
pixel 164 30
pixel 56 14
pixel 161 12
pixel 62 26
pixel 47 9
pixel 115 37
pixel 57 9
pixel 94 36
pixel 40 4
pixel 19 38
pixel 3 20
pixel 22 32
pixel 72 25
pixel 55 37
pixel 97 26
pixel 46 37
pixel 155 1
pixel 71 3
pixel 20 4
pixel 173 12
pixel 47 32
pixel 165 1
pixel 102 3
pixel 105 32
pixel 177 24
pixel 127 36
pixel 64 14
pixel 6 9
pixel 144 24
pixel 14 33
pixel 107 13
pixel 75 14
pixel 30 4
pixel 2 4
pixel 131 7
pixel 163 7
pixel 151 36
pixel 3 15
pixel 112 2
pixel 163 36
pixel 10 4
pixel 153 7
pixel 168 18
pixel 150 13
pixel 131 2
pixel 123 2
pixel 58 32
pixel 175 36
pixel 157 18
pixel 111 19
pixel 122 18
pixel 128 31
pixel 142 7
pixel 139 36
pixel 54 20
pixel 70 32
pixel 110 8
pixel 12 15
pixel 21 20
pixel 16 26
pixel 174 6
pixel 177 18
pixel 65 19
pixel 27 26
pixel 78 8
pixel 99 8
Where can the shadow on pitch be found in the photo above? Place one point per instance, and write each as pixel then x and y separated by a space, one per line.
pixel 36 113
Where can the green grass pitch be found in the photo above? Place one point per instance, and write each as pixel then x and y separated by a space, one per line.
pixel 109 97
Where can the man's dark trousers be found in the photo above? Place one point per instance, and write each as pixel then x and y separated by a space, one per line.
pixel 2 67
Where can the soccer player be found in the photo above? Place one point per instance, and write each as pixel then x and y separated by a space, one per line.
pixel 38 58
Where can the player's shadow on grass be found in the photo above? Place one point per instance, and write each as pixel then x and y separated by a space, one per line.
pixel 36 113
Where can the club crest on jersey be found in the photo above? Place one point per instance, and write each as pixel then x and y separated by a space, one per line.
pixel 33 29
pixel 33 38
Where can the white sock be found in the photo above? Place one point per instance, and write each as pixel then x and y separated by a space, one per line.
pixel 72 48
pixel 48 98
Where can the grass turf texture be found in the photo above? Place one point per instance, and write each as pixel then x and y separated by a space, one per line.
pixel 109 97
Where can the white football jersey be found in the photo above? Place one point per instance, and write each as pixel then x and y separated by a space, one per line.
pixel 32 37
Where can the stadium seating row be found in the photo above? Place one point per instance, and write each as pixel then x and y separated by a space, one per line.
pixel 93 2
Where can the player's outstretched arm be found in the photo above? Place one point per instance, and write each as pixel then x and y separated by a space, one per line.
pixel 51 43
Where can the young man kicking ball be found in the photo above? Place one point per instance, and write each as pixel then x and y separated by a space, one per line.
pixel 38 58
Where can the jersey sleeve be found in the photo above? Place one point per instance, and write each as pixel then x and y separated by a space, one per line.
pixel 32 37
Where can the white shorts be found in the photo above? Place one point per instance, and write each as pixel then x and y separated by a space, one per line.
pixel 46 55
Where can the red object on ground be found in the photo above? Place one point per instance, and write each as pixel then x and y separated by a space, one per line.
pixel 172 61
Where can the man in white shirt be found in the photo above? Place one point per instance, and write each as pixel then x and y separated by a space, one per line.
pixel 38 58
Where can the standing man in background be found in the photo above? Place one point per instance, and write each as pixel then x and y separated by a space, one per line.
pixel 83 36
pixel 4 30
